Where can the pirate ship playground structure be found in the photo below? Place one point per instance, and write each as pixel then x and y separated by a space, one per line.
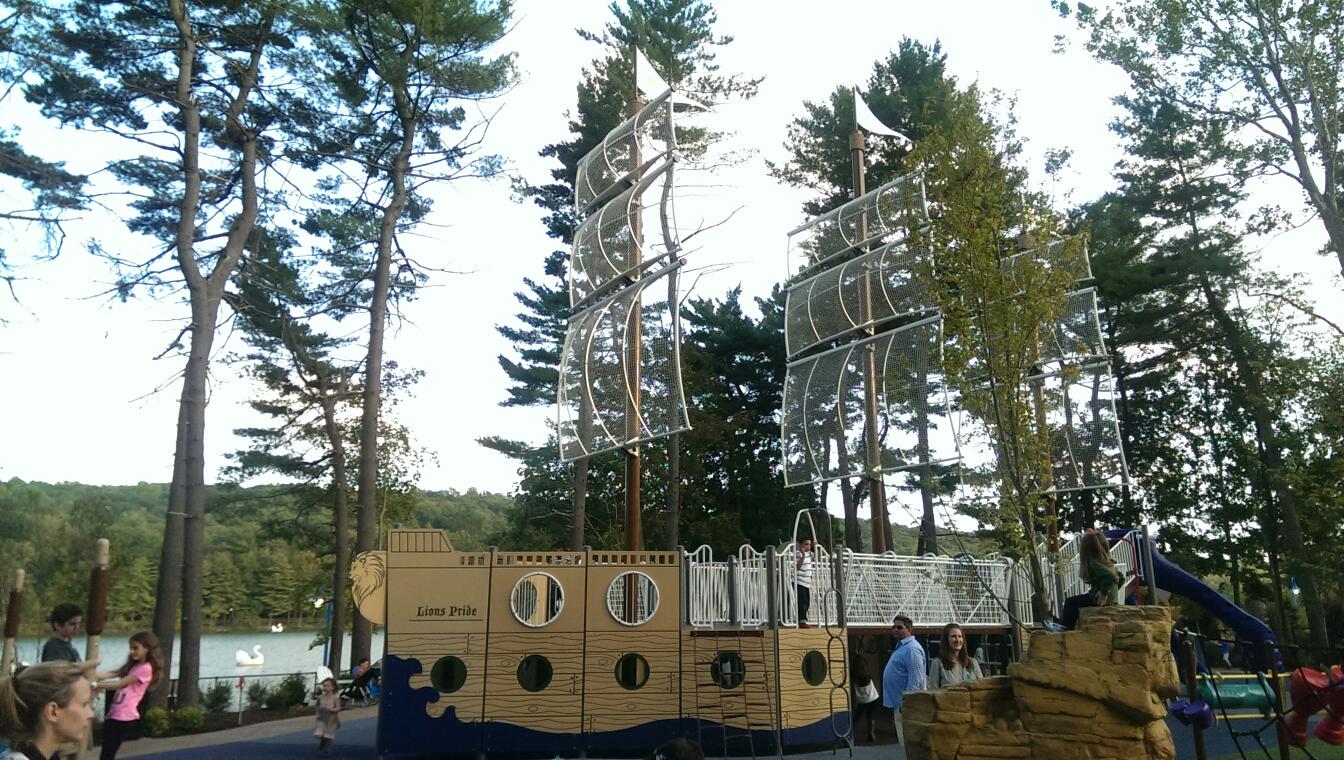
pixel 613 652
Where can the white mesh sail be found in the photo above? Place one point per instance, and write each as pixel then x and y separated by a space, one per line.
pixel 620 373
pixel 1085 450
pixel 880 216
pixel 1075 338
pixel 860 292
pixel 633 232
pixel 1068 253
pixel 822 425
pixel 640 142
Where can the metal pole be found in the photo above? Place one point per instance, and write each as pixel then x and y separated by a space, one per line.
pixel 634 539
pixel 1280 729
pixel 838 582
pixel 733 618
pixel 1191 670
pixel 1149 580
pixel 326 643
pixel 95 617
pixel 877 494
pixel 771 590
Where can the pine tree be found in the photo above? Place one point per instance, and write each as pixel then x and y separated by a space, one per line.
pixel 397 74
pixel 184 83
pixel 677 36
pixel 1185 179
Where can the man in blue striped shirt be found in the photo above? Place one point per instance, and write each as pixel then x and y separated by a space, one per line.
pixel 907 670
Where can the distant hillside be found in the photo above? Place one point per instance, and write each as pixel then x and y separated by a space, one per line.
pixel 267 547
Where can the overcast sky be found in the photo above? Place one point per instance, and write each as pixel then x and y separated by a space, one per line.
pixel 86 401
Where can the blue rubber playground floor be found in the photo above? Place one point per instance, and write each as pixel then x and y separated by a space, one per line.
pixel 294 739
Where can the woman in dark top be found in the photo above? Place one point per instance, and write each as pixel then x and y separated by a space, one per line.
pixel 65 620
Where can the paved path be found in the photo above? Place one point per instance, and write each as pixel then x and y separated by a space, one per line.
pixel 294 738
pixel 276 738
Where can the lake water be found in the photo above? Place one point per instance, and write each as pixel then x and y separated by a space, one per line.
pixel 286 652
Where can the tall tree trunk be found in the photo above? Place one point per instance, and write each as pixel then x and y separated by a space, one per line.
pixel 850 504
pixel 1271 522
pixel 1272 459
pixel 166 604
pixel 204 314
pixel 928 530
pixel 579 519
pixel 206 293
pixel 673 491
pixel 366 531
pixel 169 585
pixel 340 572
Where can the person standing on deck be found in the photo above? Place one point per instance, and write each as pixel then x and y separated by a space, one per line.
pixel 803 581
pixel 905 670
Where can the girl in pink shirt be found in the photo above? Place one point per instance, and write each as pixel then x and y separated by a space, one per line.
pixel 140 672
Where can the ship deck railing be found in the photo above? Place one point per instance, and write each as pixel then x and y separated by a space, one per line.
pixel 871 589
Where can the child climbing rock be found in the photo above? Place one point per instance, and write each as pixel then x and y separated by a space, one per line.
pixel 1094 564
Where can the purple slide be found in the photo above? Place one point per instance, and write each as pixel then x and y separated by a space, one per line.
pixel 1169 577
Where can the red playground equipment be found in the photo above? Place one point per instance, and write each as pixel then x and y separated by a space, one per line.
pixel 1313 691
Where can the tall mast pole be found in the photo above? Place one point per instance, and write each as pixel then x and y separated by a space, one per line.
pixel 877 492
pixel 634 539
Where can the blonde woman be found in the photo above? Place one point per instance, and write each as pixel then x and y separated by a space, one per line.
pixel 953 664
pixel 45 706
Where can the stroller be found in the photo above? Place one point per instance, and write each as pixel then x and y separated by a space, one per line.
pixel 364 689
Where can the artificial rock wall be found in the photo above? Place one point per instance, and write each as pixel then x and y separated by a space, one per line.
pixel 1091 694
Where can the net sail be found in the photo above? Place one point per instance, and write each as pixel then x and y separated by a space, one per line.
pixel 628 151
pixel 881 216
pixel 620 370
pixel 861 292
pixel 822 425
pixel 921 420
pixel 633 232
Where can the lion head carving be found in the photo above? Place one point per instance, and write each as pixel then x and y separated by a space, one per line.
pixel 368 575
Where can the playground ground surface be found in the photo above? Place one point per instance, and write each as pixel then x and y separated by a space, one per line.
pixel 293 738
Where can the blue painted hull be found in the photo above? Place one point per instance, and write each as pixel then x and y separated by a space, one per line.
pixel 406 731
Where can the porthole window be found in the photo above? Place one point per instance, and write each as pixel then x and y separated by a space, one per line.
pixel 632 671
pixel 632 598
pixel 536 600
pixel 814 667
pixel 534 672
pixel 448 674
pixel 728 670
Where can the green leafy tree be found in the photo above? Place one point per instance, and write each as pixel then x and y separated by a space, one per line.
pixel 1270 72
pixel 992 321
pixel 1186 178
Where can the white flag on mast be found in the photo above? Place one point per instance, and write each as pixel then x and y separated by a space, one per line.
pixel 867 120
pixel 647 80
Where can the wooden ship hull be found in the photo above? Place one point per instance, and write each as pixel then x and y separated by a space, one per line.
pixel 535 654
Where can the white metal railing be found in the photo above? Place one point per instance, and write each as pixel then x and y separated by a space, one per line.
pixel 930 590
pixel 1072 580
pixel 822 607
pixel 706 588
pixel 753 586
